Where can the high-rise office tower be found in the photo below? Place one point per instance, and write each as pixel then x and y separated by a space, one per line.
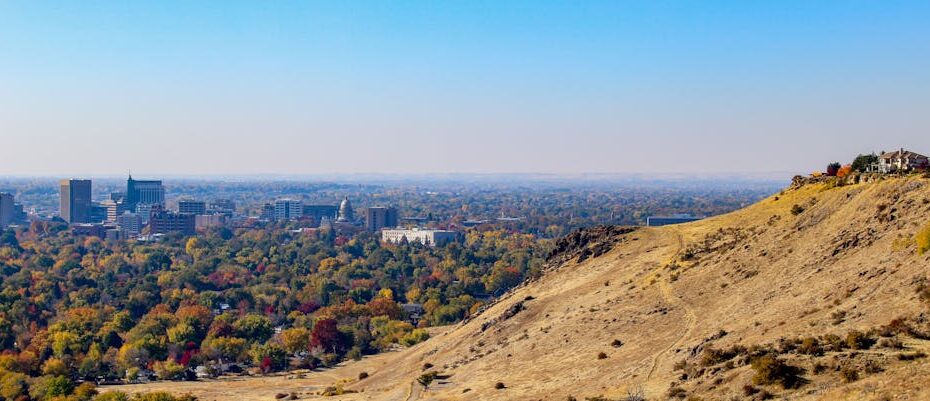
pixel 149 192
pixel 6 209
pixel 381 217
pixel 75 201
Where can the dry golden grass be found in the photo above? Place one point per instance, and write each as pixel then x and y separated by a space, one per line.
pixel 759 274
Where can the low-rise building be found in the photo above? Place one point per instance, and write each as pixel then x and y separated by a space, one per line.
pixel 188 206
pixel 267 212
pixel 320 212
pixel 288 209
pixel 427 237
pixel 89 230
pixel 655 221
pixel 98 213
pixel 113 233
pixel 130 224
pixel 207 221
pixel 223 206
pixel 162 221
pixel 144 210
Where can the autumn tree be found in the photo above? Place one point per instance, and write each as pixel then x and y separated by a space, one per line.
pixel 326 336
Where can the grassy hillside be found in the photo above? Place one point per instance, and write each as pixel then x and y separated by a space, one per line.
pixel 793 296
pixel 810 261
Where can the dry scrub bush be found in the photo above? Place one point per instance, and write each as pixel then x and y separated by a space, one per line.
pixel 858 340
pixel 770 370
pixel 849 374
pixel 923 240
pixel 713 356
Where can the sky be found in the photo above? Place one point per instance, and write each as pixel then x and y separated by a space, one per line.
pixel 414 87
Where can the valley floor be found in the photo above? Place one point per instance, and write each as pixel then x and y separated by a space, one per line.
pixel 304 384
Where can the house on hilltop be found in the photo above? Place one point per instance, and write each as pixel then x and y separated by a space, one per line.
pixel 902 160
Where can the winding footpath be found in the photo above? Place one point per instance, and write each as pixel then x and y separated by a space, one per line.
pixel 669 297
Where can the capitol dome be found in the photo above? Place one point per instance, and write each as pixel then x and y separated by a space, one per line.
pixel 345 210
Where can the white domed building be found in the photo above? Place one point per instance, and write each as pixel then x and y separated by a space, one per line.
pixel 346 214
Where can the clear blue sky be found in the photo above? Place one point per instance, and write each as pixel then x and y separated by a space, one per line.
pixel 190 87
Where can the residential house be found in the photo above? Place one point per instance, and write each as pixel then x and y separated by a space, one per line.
pixel 902 160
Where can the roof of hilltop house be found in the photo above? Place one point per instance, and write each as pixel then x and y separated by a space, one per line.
pixel 903 154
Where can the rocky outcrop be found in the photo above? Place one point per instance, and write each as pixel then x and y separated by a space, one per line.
pixel 586 243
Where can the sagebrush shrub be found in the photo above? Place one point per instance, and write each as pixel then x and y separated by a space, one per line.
pixel 849 374
pixel 771 370
pixel 923 240
pixel 858 340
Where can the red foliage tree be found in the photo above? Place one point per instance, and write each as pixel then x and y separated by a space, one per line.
pixel 308 307
pixel 326 335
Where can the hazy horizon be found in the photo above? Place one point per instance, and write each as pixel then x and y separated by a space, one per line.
pixel 352 87
pixel 438 177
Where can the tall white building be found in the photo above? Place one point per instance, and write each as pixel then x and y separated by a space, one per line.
pixel 288 209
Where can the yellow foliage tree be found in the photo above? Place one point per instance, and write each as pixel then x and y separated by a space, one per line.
pixel 386 293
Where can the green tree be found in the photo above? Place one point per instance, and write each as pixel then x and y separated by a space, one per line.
pixel 426 379
pixel 168 370
pixel 415 337
pixel 224 348
pixel 255 328
pixel 182 334
pixel 863 162
pixel 269 356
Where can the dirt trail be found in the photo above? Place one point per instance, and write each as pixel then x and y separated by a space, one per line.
pixel 412 393
pixel 669 297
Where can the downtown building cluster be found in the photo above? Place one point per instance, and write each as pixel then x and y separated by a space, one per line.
pixel 139 212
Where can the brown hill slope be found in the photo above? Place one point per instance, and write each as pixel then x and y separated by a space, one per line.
pixel 628 310
pixel 759 274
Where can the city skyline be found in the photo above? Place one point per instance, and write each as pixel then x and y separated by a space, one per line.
pixel 409 88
